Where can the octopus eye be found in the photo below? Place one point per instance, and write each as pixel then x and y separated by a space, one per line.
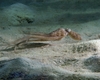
pixel 68 30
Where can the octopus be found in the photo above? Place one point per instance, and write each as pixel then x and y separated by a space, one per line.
pixel 52 36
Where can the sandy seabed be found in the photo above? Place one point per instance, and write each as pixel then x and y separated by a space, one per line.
pixel 67 53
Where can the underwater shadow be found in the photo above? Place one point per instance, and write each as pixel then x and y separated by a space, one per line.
pixel 36 45
pixel 27 46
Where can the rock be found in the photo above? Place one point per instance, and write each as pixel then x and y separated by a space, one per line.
pixel 19 13
pixel 27 69
pixel 86 46
pixel 93 63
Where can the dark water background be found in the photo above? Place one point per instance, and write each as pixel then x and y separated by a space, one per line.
pixel 65 5
pixel 62 4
